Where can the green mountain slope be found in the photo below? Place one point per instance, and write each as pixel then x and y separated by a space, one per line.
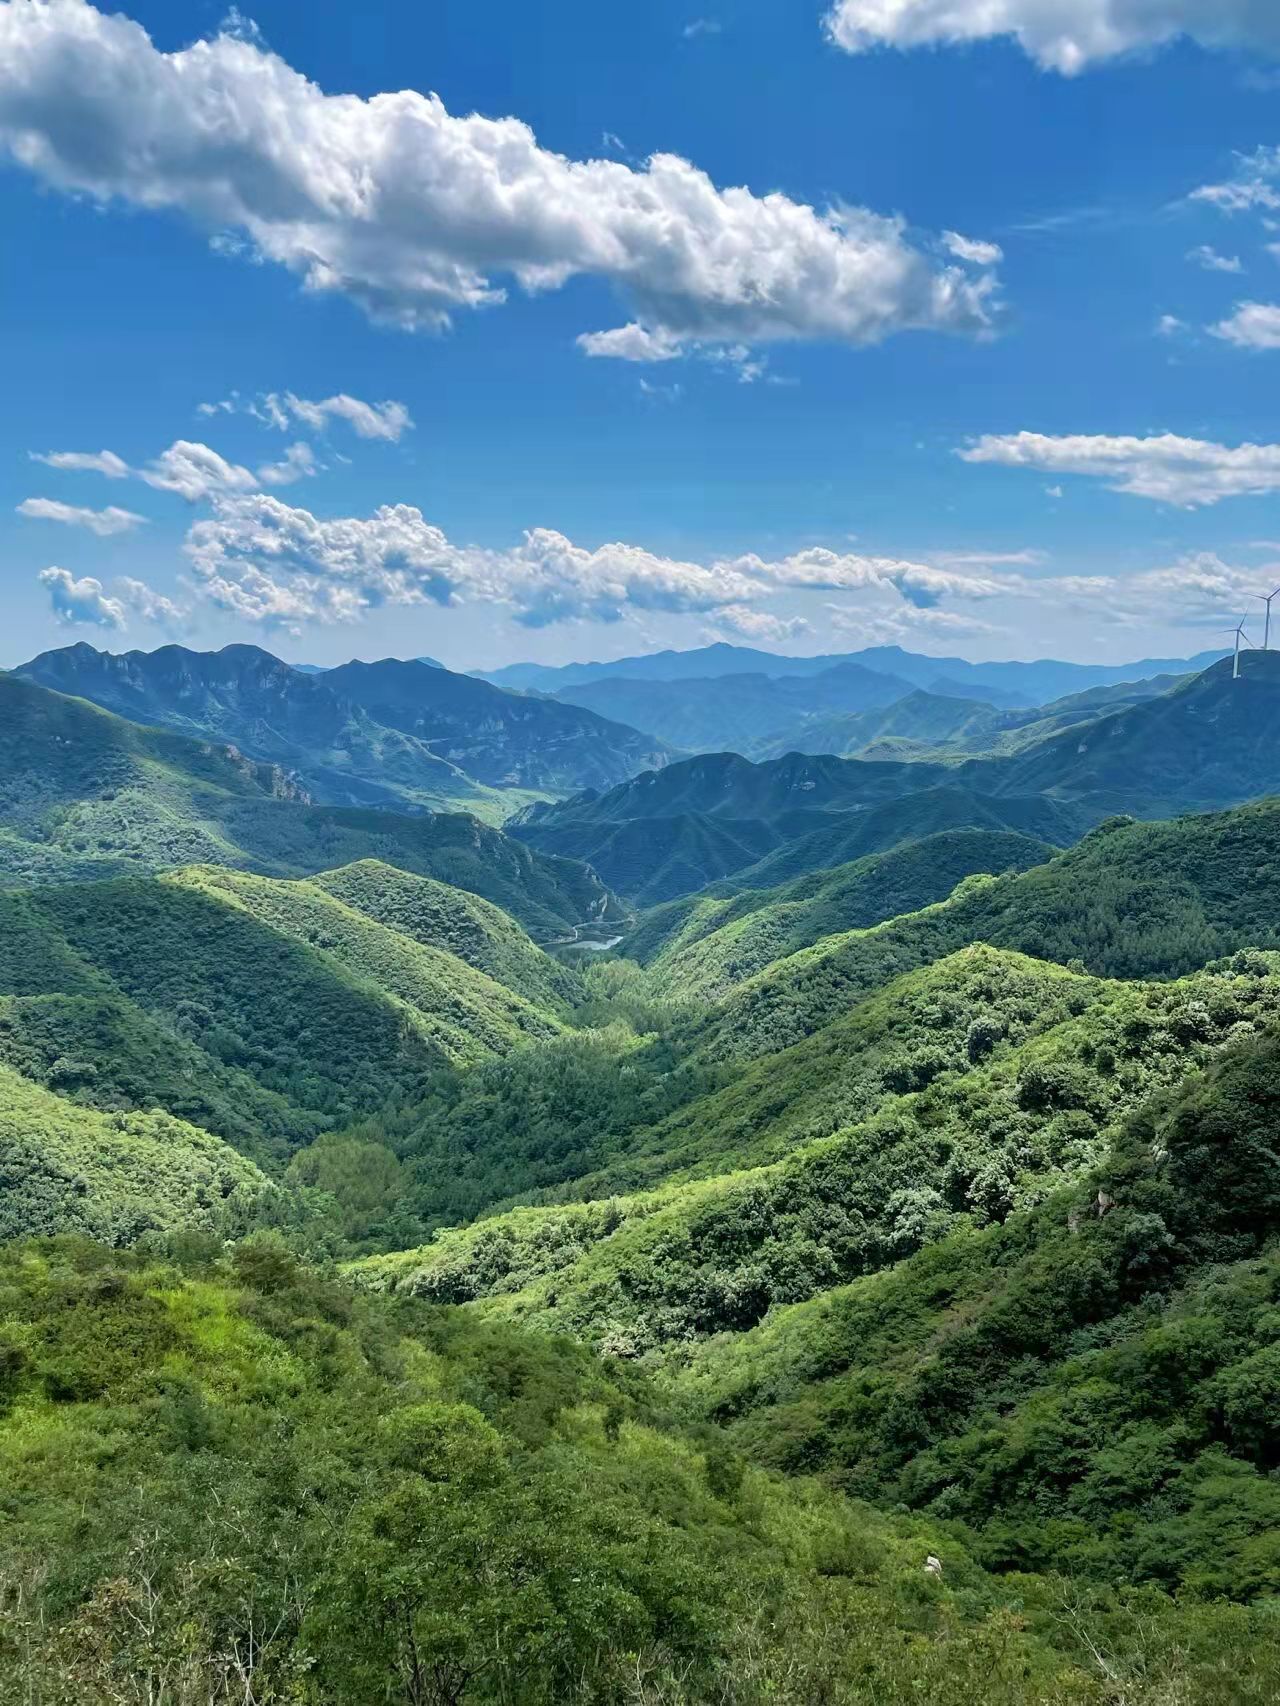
pixel 651 860
pixel 505 740
pixel 234 1466
pixel 960 1095
pixel 388 733
pixel 924 720
pixel 314 1002
pixel 467 1012
pixel 104 1051
pixel 1131 900
pixel 245 697
pixel 1086 1387
pixel 700 948
pixel 1208 743
pixel 439 916
pixel 849 835
pixel 85 794
pixel 114 1177
pixel 734 713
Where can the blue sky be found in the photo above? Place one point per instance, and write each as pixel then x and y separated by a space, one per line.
pixel 858 430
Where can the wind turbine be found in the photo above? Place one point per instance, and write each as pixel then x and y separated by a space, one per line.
pixel 1265 598
pixel 1240 634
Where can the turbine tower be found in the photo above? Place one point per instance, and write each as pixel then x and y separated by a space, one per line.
pixel 1240 634
pixel 1265 598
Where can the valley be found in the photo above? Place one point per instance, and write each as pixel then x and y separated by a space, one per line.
pixel 711 1187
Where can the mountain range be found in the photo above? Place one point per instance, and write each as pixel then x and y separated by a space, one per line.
pixel 1210 740
pixel 858 1283
pixel 1028 683
pixel 85 794
pixel 405 735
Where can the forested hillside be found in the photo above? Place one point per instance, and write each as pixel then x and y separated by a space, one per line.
pixel 857 1284
pixel 393 734
pixel 85 794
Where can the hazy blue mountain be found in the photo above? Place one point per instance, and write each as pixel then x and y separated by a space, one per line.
pixel 391 733
pixel 505 740
pixel 733 713
pixel 1027 684
pixel 247 698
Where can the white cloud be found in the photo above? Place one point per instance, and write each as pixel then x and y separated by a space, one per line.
pixel 103 522
pixel 1207 256
pixel 971 249
pixel 298 462
pixel 152 606
pixel 389 420
pixel 1060 35
pixel 81 601
pixel 1254 325
pixel 269 562
pixel 84 461
pixel 1254 188
pixel 1169 326
pixel 194 471
pixel 878 627
pixel 1184 471
pixel 416 213
pixel 701 27
pixel 631 342
pixel 987 559
pixel 820 570
pixel 751 624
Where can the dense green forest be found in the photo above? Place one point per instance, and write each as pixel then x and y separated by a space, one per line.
pixel 859 1283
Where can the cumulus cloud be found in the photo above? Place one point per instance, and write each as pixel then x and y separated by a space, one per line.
pixel 84 462
pixel 298 462
pixel 1060 35
pixel 971 249
pixel 751 624
pixel 103 522
pixel 820 570
pixel 1254 325
pixel 194 471
pixel 416 213
pixel 1187 472
pixel 389 420
pixel 81 601
pixel 272 563
pixel 269 562
pixel 150 605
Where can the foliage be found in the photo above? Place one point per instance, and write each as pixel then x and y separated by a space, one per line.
pixel 116 1177
pixel 84 794
pixel 228 1481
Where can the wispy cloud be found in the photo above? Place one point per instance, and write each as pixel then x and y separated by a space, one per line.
pixel 1186 472
pixel 103 522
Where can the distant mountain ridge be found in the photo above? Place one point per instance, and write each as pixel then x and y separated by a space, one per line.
pixel 1211 742
pixel 84 794
pixel 1030 683
pixel 405 735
